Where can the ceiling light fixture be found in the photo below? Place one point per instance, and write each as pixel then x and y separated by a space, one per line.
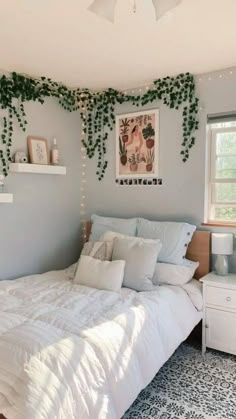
pixel 106 8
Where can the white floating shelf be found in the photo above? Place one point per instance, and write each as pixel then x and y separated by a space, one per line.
pixel 6 198
pixel 37 168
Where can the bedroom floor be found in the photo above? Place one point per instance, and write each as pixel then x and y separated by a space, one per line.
pixel 190 387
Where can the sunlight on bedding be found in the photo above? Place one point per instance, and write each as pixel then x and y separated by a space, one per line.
pixel 70 351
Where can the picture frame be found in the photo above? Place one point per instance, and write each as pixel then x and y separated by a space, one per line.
pixel 38 150
pixel 137 145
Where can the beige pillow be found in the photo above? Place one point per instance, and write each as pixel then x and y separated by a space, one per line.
pixel 98 250
pixel 103 275
pixel 109 236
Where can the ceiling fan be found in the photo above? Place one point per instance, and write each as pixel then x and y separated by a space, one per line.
pixel 106 8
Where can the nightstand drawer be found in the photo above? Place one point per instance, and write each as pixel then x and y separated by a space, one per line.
pixel 221 330
pixel 221 297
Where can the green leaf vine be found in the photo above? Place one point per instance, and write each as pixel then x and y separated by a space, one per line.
pixel 97 110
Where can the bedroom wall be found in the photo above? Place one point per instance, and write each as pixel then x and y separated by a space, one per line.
pixel 40 230
pixel 181 198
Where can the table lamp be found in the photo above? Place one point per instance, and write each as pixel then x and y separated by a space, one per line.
pixel 222 246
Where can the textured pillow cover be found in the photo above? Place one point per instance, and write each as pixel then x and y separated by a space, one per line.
pixel 175 238
pixel 140 257
pixel 109 236
pixel 168 273
pixel 103 275
pixel 98 250
pixel 71 270
pixel 120 225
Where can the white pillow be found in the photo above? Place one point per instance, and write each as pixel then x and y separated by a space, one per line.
pixel 103 275
pixel 167 273
pixel 140 257
pixel 194 291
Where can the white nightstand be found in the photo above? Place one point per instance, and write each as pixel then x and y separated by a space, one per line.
pixel 219 313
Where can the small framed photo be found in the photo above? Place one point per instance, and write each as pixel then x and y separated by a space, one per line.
pixel 38 150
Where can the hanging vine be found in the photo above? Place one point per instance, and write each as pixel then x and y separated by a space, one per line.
pixel 97 110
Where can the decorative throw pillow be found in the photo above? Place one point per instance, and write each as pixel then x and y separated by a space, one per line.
pixel 175 238
pixel 109 236
pixel 98 250
pixel 168 273
pixel 140 257
pixel 102 224
pixel 103 275
pixel 71 270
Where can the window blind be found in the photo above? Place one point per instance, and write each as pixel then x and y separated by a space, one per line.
pixel 221 117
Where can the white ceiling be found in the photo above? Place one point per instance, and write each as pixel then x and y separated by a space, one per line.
pixel 62 40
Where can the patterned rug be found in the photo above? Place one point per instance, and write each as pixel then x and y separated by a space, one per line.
pixel 190 387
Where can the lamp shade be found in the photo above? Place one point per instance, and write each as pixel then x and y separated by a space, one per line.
pixel 222 244
pixel 104 8
pixel 164 6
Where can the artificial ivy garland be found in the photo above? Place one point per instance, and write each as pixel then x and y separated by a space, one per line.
pixel 97 110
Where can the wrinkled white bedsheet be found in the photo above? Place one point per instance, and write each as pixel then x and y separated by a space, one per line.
pixel 69 351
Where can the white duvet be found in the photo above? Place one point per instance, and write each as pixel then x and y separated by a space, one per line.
pixel 68 351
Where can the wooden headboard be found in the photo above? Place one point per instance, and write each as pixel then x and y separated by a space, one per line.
pixel 198 250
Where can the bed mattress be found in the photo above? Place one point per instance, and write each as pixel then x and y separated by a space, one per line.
pixel 73 352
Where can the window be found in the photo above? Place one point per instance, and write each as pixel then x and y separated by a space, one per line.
pixel 221 191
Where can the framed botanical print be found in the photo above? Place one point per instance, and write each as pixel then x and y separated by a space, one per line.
pixel 137 145
pixel 38 150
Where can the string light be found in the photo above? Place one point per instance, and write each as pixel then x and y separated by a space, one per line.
pixel 83 173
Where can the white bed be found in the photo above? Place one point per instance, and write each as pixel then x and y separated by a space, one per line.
pixel 68 351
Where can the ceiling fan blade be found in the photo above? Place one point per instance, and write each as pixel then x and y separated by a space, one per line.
pixel 104 8
pixel 164 6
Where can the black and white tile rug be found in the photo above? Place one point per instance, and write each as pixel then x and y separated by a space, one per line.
pixel 190 387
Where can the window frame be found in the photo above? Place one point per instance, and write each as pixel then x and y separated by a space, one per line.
pixel 211 180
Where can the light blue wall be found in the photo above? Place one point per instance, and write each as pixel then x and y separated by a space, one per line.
pixel 40 230
pixel 182 195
